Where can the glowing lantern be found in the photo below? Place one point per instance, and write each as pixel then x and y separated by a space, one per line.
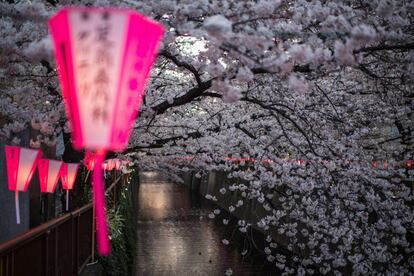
pixel 104 56
pixel 117 164
pixel 111 164
pixel 106 165
pixel 49 173
pixel 68 177
pixel 21 163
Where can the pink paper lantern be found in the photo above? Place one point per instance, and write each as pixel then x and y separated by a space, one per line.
pixel 68 177
pixel 111 164
pixel 21 164
pixel 104 56
pixel 106 166
pixel 117 164
pixel 49 173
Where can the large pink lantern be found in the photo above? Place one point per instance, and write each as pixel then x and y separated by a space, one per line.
pixel 21 164
pixel 68 177
pixel 104 56
pixel 49 173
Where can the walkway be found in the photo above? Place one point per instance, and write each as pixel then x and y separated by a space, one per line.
pixel 176 237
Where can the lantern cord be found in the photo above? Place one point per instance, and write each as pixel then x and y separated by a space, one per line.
pixel 16 202
pixel 86 177
pixel 99 202
pixel 67 200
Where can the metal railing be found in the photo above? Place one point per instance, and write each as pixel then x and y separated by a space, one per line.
pixel 62 246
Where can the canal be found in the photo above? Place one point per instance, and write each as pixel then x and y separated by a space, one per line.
pixel 176 236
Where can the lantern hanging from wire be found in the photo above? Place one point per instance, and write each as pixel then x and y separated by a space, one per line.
pixel 68 177
pixel 104 56
pixel 21 164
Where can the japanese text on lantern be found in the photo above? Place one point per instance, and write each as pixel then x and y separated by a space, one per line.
pixel 96 35
pixel 97 46
pixel 103 60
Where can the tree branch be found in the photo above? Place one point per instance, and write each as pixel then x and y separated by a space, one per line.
pixel 402 47
pixel 183 64
pixel 186 98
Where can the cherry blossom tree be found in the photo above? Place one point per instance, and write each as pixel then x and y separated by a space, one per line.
pixel 268 82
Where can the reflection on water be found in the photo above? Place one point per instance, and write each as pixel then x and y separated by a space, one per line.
pixel 175 237
pixel 150 199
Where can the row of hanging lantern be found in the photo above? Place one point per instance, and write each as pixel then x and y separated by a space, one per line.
pixel 111 164
pixel 103 56
pixel 107 165
pixel 22 163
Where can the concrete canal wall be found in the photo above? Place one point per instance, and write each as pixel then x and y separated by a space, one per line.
pixel 251 211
